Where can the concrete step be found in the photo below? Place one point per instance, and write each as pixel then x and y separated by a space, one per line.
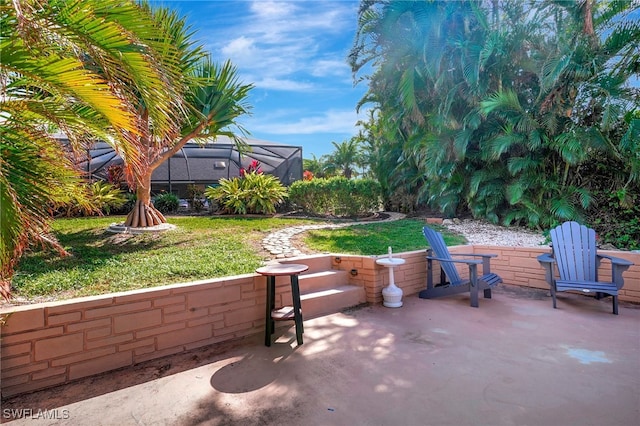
pixel 323 290
pixel 322 280
pixel 315 262
pixel 331 300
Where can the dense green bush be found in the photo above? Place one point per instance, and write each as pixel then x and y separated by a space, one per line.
pixel 617 219
pixel 254 192
pixel 503 132
pixel 100 198
pixel 195 197
pixel 130 202
pixel 167 202
pixel 106 197
pixel 311 196
pixel 336 196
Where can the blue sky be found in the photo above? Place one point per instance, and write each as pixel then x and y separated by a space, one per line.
pixel 294 52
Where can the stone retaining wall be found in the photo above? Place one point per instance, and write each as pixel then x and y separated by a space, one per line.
pixel 48 344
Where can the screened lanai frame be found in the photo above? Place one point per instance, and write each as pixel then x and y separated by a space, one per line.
pixel 204 164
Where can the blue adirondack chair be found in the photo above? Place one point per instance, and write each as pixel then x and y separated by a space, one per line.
pixel 575 254
pixel 438 251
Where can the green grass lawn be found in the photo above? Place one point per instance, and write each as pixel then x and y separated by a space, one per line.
pixel 200 248
pixel 374 239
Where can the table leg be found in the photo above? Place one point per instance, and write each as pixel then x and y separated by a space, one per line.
pixel 297 307
pixel 269 324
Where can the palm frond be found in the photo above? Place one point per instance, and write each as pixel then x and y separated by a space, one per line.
pixel 569 147
pixel 517 165
pixel 552 69
pixel 630 141
pixel 506 100
pixel 515 191
pixel 501 144
pixel 34 173
pixel 64 77
pixel 563 209
pixel 406 88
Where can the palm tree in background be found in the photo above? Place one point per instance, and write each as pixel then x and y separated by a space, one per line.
pixel 345 157
pixel 317 166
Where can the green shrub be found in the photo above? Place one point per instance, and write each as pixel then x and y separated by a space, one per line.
pixel 106 197
pixel 310 196
pixel 252 193
pixel 99 198
pixel 130 202
pixel 195 194
pixel 336 196
pixel 132 198
pixel 616 219
pixel 167 202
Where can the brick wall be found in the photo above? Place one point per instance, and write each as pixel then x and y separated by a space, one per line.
pixel 48 344
pixel 52 343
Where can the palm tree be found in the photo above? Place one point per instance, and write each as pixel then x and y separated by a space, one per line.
pixel 345 157
pixel 209 97
pixel 66 64
pixel 497 107
pixel 548 143
pixel 315 165
pixel 424 85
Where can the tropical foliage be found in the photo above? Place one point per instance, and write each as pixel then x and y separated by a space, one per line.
pixel 514 111
pixel 166 202
pixel 344 158
pixel 253 192
pixel 63 65
pixel 207 99
pixel 316 166
pixel 115 70
pixel 336 196
pixel 91 199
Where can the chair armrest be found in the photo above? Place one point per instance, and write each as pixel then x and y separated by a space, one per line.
pixel 486 260
pixel 473 255
pixel 618 266
pixel 546 258
pixel 467 261
pixel 547 261
pixel 616 260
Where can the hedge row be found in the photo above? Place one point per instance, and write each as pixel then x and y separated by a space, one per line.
pixel 336 196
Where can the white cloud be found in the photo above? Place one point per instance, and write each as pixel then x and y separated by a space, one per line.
pixel 240 49
pixel 324 68
pixel 270 83
pixel 331 121
pixel 280 42
pixel 272 9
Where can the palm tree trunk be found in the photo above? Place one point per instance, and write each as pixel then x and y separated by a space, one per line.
pixel 144 214
pixel 588 19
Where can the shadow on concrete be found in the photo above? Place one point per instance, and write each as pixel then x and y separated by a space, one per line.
pixel 514 360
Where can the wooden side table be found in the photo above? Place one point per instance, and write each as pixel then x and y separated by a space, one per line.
pixel 286 313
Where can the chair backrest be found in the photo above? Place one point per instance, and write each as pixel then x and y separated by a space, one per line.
pixel 574 248
pixel 436 242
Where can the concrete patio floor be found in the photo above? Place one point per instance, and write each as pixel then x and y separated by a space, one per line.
pixel 513 361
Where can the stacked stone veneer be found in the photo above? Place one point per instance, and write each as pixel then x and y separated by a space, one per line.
pixel 52 343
